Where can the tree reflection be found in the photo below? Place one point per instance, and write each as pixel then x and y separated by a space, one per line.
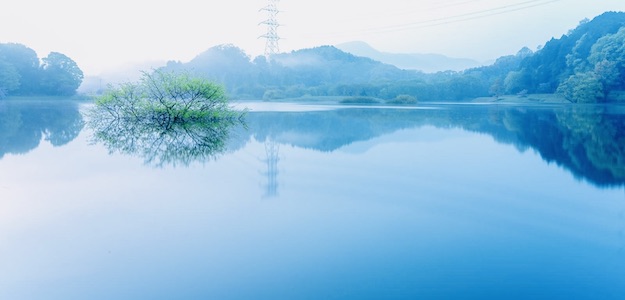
pixel 162 144
pixel 586 140
pixel 24 124
pixel 595 141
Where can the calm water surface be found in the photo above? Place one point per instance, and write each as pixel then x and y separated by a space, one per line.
pixel 318 202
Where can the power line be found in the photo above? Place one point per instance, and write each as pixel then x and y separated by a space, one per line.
pixel 464 17
pixel 439 6
pixel 480 14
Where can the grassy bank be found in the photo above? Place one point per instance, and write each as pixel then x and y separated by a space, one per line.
pixel 531 98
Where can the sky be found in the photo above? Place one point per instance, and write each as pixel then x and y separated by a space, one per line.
pixel 105 35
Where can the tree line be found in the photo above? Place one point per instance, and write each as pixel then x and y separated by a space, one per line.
pixel 22 73
pixel 585 65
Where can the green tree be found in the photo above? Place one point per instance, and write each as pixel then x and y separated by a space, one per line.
pixel 9 78
pixel 496 89
pixel 608 58
pixel 608 73
pixel 60 75
pixel 166 118
pixel 582 88
pixel 514 82
pixel 404 100
pixel 464 87
pixel 165 98
pixel 25 62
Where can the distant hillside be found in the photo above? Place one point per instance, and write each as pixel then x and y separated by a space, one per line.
pixel 315 71
pixel 428 63
pixel 329 65
pixel 577 52
pixel 585 65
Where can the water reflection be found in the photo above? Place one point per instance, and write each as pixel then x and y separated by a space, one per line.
pixel 588 141
pixel 163 144
pixel 272 156
pixel 24 124
pixel 596 139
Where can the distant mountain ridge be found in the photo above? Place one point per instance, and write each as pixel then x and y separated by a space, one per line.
pixel 428 63
pixel 319 71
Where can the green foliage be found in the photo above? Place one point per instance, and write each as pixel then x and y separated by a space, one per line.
pixel 360 100
pixel 608 58
pixel 514 82
pixel 25 61
pixel 320 71
pixel 403 100
pixel 598 71
pixel 582 88
pixel 9 79
pixel 22 74
pixel 465 86
pixel 165 98
pixel 60 75
pixel 272 94
pixel 561 58
pixel 165 118
pixel 496 89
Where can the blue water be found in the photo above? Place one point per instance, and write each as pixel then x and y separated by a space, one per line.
pixel 320 202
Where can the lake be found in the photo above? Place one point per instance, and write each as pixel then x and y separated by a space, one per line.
pixel 438 201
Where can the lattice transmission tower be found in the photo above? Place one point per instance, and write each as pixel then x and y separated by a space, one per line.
pixel 272 152
pixel 271 37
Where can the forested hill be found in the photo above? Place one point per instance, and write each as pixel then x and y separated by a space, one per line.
pixel 23 73
pixel 585 65
pixel 591 56
pixel 317 71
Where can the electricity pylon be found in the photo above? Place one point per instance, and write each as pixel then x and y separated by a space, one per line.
pixel 272 149
pixel 271 37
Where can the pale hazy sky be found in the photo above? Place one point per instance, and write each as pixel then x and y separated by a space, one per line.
pixel 103 35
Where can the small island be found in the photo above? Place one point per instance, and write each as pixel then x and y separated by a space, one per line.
pixel 166 118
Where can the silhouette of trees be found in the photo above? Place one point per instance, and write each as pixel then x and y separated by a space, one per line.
pixel 21 72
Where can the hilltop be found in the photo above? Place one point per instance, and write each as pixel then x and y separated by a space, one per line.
pixel 428 63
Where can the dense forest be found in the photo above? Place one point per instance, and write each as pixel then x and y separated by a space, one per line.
pixel 585 65
pixel 22 73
